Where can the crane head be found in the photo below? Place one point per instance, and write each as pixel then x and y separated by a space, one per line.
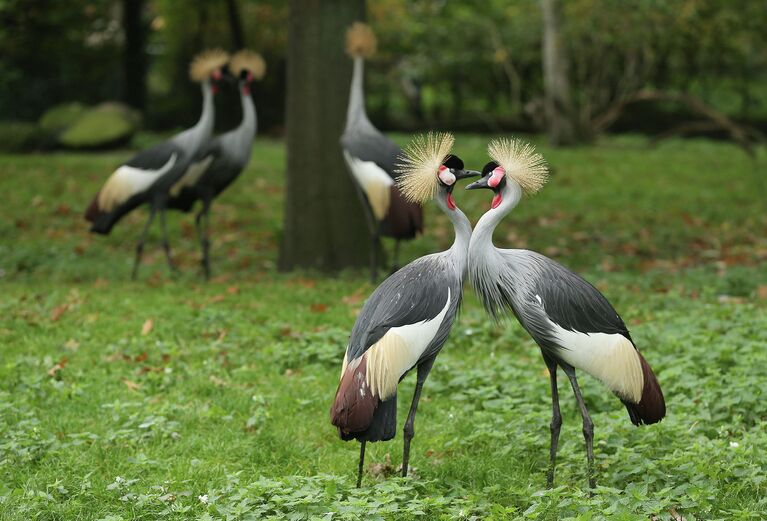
pixel 493 178
pixel 449 172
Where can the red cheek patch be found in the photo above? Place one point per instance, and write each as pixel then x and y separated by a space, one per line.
pixel 497 198
pixel 496 177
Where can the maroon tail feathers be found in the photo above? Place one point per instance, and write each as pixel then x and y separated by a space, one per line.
pixel 93 212
pixel 652 407
pixel 355 405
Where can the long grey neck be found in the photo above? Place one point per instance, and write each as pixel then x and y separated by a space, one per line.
pixel 192 138
pixel 459 251
pixel 482 238
pixel 355 113
pixel 249 120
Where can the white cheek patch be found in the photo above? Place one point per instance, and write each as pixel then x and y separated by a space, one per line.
pixel 495 177
pixel 446 176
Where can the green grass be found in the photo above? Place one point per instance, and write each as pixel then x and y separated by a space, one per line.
pixel 226 397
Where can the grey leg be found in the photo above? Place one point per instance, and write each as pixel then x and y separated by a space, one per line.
pixel 141 240
pixel 202 221
pixel 362 463
pixel 165 243
pixel 409 430
pixel 588 425
pixel 556 421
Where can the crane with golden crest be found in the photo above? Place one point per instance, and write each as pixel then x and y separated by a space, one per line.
pixel 571 321
pixel 148 176
pixel 371 159
pixel 407 319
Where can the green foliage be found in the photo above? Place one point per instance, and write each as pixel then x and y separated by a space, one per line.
pixel 59 117
pixel 19 136
pixel 220 410
pixel 106 125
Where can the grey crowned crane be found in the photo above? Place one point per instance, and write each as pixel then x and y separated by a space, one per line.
pixel 221 160
pixel 571 321
pixel 406 321
pixel 149 175
pixel 371 159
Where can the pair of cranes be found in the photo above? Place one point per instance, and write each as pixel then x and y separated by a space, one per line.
pixel 189 167
pixel 407 319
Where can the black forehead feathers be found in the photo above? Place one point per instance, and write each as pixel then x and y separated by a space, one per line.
pixel 453 162
pixel 492 165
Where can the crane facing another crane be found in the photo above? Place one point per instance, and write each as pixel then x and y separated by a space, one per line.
pixel 571 321
pixel 149 175
pixel 371 159
pixel 407 319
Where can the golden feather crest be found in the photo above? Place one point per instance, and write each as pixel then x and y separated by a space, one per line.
pixel 419 166
pixel 206 62
pixel 521 163
pixel 360 40
pixel 247 60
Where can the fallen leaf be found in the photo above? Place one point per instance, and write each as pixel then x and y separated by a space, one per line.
pixel 58 311
pixel 61 364
pixel 133 386
pixel 318 308
pixel 761 292
pixel 147 327
pixel 232 290
pixel 142 357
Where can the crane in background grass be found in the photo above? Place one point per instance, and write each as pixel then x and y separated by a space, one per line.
pixel 221 160
pixel 570 320
pixel 407 319
pixel 148 176
pixel 371 158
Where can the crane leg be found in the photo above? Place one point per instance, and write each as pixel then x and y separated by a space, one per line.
pixel 588 425
pixel 362 463
pixel 202 221
pixel 165 243
pixel 409 430
pixel 140 244
pixel 556 420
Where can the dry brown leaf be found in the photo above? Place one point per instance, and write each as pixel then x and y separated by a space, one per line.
pixel 318 308
pixel 147 327
pixel 58 311
pixel 61 364
pixel 232 290
pixel 133 386
pixel 761 292
pixel 142 357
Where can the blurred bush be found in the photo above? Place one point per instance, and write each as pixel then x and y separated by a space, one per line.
pixel 106 125
pixel 20 136
pixel 59 117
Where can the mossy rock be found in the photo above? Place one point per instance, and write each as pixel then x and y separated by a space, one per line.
pixel 19 136
pixel 109 124
pixel 60 117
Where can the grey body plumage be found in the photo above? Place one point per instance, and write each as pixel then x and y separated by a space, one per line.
pixel 574 325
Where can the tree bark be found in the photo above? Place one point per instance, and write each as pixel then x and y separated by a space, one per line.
pixel 558 104
pixel 324 227
pixel 134 60
pixel 235 25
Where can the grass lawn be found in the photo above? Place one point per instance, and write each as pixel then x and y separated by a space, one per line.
pixel 175 399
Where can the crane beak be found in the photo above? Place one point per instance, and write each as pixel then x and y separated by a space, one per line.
pixel 464 174
pixel 481 183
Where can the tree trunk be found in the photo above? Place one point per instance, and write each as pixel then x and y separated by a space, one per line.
pixel 235 25
pixel 324 227
pixel 559 111
pixel 135 62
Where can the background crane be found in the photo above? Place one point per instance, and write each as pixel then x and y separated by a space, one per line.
pixel 149 175
pixel 572 322
pixel 371 158
pixel 407 319
pixel 220 161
